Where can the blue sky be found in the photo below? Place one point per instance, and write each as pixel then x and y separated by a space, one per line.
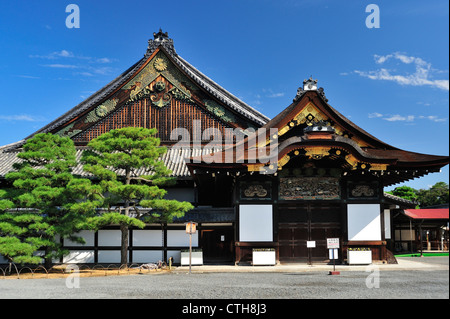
pixel 392 81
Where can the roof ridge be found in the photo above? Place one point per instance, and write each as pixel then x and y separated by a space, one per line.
pixel 161 41
pixel 226 96
pixel 91 100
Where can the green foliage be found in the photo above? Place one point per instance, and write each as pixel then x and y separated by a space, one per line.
pixel 438 194
pixel 50 202
pixel 114 218
pixel 405 192
pixel 127 164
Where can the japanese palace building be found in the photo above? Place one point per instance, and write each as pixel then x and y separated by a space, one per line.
pixel 276 184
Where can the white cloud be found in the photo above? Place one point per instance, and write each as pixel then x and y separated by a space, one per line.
pixel 423 75
pixel 90 66
pixel 405 118
pixel 65 54
pixel 27 76
pixel 381 59
pixel 21 117
pixel 433 118
pixel 61 66
pixel 374 115
pixel 104 60
pixel 398 117
pixel 274 95
pixel 55 55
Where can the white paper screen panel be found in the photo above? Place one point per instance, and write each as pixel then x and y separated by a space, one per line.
pixel 255 223
pixel 364 222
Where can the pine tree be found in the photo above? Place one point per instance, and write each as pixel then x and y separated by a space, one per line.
pixel 47 202
pixel 117 159
pixel 18 242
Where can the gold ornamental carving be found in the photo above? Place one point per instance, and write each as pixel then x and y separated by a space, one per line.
pixel 317 153
pixel 160 65
pixel 255 190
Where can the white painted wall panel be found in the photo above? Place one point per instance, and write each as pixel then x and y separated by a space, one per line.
pixel 364 222
pixel 255 223
pixel 109 256
pixel 88 235
pixel 387 224
pixel 79 256
pixel 109 237
pixel 175 254
pixel 147 237
pixel 147 256
pixel 179 238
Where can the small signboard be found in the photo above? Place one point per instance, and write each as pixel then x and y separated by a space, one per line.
pixel 311 244
pixel 332 243
pixel 333 251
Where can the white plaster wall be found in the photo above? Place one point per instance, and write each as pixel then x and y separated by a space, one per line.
pixel 364 222
pixel 79 256
pixel 255 223
pixel 109 237
pixel 151 237
pixel 109 256
pixel 89 237
pixel 387 224
pixel 179 238
pixel 175 254
pixel 147 256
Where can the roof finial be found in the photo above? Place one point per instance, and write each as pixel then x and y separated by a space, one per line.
pixel 310 84
pixel 160 38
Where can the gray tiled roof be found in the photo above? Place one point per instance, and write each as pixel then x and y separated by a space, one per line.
pixel 173 159
pixel 399 200
pixel 220 93
pixel 7 160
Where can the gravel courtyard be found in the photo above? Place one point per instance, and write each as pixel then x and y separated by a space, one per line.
pixel 404 284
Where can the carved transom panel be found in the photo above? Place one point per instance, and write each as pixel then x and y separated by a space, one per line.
pixel 255 190
pixel 309 188
pixel 359 190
